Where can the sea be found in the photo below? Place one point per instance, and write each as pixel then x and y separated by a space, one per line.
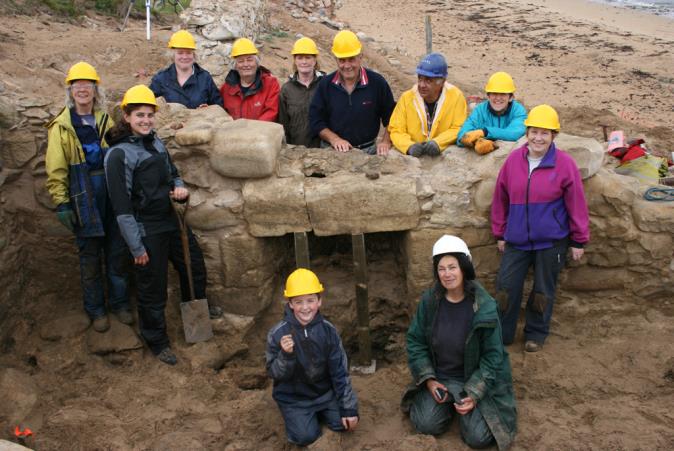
pixel 659 7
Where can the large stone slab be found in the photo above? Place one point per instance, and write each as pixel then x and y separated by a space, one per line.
pixel 274 207
pixel 246 148
pixel 249 261
pixel 68 326
pixel 352 203
pixel 217 212
pixel 18 149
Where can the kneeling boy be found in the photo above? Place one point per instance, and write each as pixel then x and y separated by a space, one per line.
pixel 306 359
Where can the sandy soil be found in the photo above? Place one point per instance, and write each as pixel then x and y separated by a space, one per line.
pixel 605 379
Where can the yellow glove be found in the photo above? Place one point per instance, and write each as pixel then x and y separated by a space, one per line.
pixel 484 146
pixel 470 137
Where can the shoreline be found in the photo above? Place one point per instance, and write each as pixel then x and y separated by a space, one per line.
pixel 609 16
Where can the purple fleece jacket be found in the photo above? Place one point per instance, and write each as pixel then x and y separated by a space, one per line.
pixel 533 212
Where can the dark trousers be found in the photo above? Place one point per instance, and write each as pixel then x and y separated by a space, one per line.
pixel 111 251
pixel 151 281
pixel 430 417
pixel 177 259
pixel 303 419
pixel 512 273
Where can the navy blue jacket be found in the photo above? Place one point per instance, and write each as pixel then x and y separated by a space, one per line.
pixel 199 89
pixel 316 366
pixel 355 117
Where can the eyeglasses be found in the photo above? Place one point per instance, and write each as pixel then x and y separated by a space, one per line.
pixel 82 86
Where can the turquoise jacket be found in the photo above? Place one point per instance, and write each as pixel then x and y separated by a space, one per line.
pixel 507 127
pixel 486 362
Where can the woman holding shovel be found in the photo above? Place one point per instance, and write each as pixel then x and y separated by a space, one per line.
pixel 142 181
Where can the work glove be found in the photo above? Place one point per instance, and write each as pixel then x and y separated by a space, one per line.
pixel 484 146
pixel 416 150
pixel 66 216
pixel 431 148
pixel 469 138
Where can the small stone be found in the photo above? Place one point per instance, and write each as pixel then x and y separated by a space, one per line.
pixel 119 337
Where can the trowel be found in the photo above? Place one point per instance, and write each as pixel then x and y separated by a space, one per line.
pixel 196 321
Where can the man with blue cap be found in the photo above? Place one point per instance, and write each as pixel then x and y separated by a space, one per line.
pixel 427 118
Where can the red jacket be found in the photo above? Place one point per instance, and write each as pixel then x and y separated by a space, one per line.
pixel 261 100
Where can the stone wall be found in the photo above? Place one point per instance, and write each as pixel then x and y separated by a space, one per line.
pixel 249 191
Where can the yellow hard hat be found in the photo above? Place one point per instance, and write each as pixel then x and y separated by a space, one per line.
pixel 301 282
pixel 182 39
pixel 346 44
pixel 304 46
pixel 243 46
pixel 500 82
pixel 82 71
pixel 139 95
pixel 543 116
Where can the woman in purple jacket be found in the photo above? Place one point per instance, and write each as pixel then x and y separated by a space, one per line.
pixel 538 212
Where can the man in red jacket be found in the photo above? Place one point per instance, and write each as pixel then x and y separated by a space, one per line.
pixel 250 91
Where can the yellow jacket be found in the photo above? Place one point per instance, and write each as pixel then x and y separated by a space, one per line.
pixel 64 149
pixel 409 123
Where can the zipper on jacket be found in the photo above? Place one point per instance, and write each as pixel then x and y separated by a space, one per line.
pixel 526 204
pixel 305 333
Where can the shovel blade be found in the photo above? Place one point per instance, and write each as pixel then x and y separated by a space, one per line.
pixel 196 322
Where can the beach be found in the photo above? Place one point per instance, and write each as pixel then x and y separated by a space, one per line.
pixel 593 61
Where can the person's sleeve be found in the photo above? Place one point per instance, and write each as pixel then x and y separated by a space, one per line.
pixel 500 205
pixel 280 365
pixel 515 128
pixel 457 111
pixel 214 97
pixel 397 127
pixel 270 111
pixel 491 361
pixel 119 179
pixel 576 207
pixel 56 166
pixel 339 373
pixel 468 126
pixel 175 175
pixel 387 105
pixel 418 349
pixel 318 111
pixel 156 86
pixel 283 117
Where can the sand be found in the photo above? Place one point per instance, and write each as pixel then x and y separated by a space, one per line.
pixel 589 60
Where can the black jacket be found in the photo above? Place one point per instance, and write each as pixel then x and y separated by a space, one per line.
pixel 199 89
pixel 317 365
pixel 293 111
pixel 140 175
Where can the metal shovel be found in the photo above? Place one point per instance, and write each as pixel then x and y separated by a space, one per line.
pixel 196 321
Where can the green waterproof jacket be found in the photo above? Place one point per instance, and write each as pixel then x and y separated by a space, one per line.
pixel 486 363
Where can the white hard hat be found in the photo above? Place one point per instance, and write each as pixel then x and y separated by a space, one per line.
pixel 448 244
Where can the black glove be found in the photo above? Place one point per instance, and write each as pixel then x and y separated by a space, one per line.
pixel 66 216
pixel 431 148
pixel 416 150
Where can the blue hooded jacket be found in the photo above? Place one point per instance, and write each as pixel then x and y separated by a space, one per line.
pixel 317 365
pixel 506 127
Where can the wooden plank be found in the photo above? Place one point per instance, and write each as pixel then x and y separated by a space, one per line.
pixel 363 310
pixel 301 250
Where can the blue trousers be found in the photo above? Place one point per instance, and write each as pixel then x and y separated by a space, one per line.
pixel 110 250
pixel 303 418
pixel 430 417
pixel 515 264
